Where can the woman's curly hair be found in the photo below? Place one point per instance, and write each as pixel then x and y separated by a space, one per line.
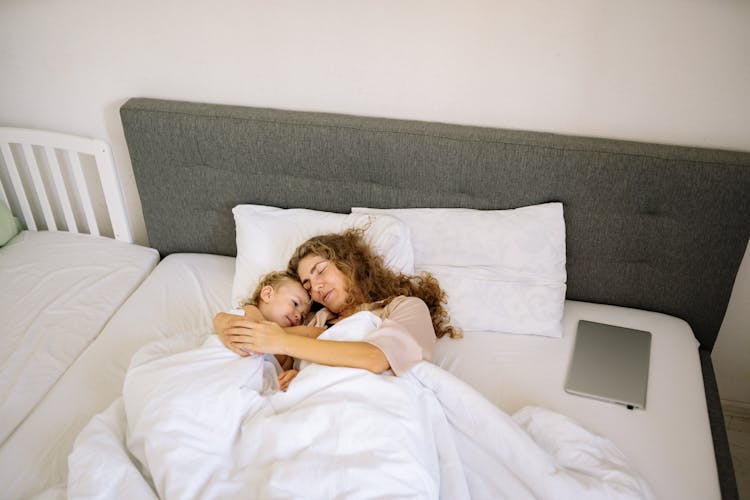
pixel 369 280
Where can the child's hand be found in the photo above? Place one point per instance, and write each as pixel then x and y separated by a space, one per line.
pixel 286 378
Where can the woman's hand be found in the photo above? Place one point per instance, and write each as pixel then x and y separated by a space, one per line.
pixel 256 337
pixel 222 322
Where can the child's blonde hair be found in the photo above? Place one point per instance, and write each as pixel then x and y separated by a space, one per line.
pixel 274 279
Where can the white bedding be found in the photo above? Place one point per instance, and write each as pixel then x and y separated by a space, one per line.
pixel 58 291
pixel 200 426
pixel 669 443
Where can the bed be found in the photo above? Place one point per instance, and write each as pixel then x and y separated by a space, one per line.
pixel 653 237
pixel 67 260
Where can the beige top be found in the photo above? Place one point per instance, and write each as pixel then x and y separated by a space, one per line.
pixel 406 335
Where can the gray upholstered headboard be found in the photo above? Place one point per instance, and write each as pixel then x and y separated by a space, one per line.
pixel 648 226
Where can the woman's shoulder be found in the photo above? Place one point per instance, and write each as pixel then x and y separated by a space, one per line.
pixel 405 304
pixel 321 318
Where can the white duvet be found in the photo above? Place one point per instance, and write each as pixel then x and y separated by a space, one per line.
pixel 205 423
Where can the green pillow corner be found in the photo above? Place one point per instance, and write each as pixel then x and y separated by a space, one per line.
pixel 9 225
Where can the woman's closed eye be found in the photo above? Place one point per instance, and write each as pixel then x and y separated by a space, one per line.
pixel 316 271
pixel 319 269
pixel 310 277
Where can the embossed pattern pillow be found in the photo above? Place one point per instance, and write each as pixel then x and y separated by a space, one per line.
pixel 503 270
pixel 267 237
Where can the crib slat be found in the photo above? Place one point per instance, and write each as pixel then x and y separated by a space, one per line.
pixel 83 192
pixel 62 192
pixel 113 193
pixel 15 180
pixel 41 193
pixel 4 195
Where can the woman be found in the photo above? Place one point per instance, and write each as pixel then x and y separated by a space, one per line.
pixel 345 276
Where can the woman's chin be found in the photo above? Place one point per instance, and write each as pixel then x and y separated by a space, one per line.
pixel 333 307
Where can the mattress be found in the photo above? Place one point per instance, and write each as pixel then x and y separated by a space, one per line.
pixel 180 297
pixel 669 442
pixel 58 291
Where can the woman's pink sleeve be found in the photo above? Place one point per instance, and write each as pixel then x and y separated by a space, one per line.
pixel 406 335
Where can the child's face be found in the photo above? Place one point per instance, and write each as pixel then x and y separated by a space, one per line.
pixel 287 305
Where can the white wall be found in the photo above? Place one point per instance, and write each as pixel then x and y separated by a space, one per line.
pixel 672 71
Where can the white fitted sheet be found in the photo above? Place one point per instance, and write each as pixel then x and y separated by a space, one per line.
pixel 669 442
pixel 58 291
pixel 180 297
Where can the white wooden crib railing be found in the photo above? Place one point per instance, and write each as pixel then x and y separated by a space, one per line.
pixel 57 181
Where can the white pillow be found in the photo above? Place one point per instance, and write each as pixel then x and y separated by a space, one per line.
pixel 503 270
pixel 268 236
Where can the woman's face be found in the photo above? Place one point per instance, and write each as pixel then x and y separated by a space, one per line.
pixel 325 282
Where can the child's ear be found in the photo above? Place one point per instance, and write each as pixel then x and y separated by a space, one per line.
pixel 266 293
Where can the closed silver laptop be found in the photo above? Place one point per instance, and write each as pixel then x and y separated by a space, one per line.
pixel 610 363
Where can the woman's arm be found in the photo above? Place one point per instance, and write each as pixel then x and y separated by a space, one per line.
pixel 287 362
pixel 223 321
pixel 406 335
pixel 269 337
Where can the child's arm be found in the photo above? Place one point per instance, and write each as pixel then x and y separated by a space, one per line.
pixel 286 362
pixel 285 378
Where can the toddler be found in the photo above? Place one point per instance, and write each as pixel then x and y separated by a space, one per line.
pixel 281 299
